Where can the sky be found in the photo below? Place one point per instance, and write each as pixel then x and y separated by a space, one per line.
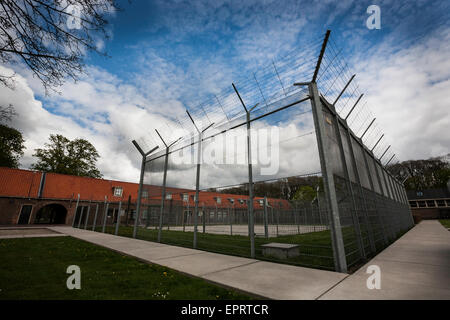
pixel 166 56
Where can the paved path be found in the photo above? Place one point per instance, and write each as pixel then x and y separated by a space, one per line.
pixel 417 266
pixel 264 279
pixel 29 232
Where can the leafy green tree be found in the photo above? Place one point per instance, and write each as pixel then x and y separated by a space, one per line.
pixel 432 173
pixel 11 146
pixel 305 193
pixel 75 157
pixel 11 140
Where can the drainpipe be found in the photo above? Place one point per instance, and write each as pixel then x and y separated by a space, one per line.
pixel 41 185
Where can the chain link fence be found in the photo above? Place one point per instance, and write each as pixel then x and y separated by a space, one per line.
pixel 286 165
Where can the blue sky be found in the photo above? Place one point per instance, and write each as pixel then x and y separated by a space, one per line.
pixel 167 55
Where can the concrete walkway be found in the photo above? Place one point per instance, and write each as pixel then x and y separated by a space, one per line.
pixel 264 279
pixel 28 232
pixel 417 266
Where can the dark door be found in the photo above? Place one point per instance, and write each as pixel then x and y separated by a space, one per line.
pixel 25 214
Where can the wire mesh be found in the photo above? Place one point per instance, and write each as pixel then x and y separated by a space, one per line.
pixel 208 152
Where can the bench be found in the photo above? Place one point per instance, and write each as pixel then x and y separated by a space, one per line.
pixel 280 250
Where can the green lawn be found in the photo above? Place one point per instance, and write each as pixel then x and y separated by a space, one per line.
pixel 315 247
pixel 35 268
pixel 445 222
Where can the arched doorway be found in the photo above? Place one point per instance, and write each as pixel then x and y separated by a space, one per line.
pixel 51 214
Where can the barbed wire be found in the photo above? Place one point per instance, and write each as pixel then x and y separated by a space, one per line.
pixel 263 86
pixel 332 78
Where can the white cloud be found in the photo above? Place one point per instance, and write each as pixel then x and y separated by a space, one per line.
pixel 94 112
pixel 408 93
pixel 407 90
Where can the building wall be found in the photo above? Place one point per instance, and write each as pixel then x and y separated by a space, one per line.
pixel 24 187
pixel 10 208
pixel 431 213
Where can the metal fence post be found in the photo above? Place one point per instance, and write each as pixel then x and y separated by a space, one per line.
pixel 95 217
pixel 139 198
pixel 113 214
pixel 251 221
pixel 105 216
pixel 231 222
pixel 197 187
pixel 250 189
pixel 305 216
pixel 87 215
pixel 81 217
pixel 328 180
pixel 407 206
pixel 296 219
pixel 318 207
pixel 197 181
pixel 266 222
pixel 204 217
pixel 187 216
pixel 277 214
pixel 118 219
pixel 141 183
pixel 163 196
pixel 182 216
pixel 76 209
pixel 148 216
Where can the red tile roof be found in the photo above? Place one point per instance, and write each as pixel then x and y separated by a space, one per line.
pixel 19 183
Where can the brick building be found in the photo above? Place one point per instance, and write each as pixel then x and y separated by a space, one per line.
pixel 430 203
pixel 33 197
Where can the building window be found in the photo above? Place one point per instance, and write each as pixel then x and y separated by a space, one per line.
pixel 185 197
pixel 261 202
pixel 219 200
pixel 231 200
pixel 241 201
pixel 430 203
pixel 145 194
pixel 419 193
pixel 441 203
pixel 118 191
pixel 25 214
pixel 169 196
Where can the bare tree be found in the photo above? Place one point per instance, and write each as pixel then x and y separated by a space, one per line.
pixel 51 37
pixel 7 113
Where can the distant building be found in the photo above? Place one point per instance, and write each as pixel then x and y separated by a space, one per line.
pixel 430 203
pixel 33 197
